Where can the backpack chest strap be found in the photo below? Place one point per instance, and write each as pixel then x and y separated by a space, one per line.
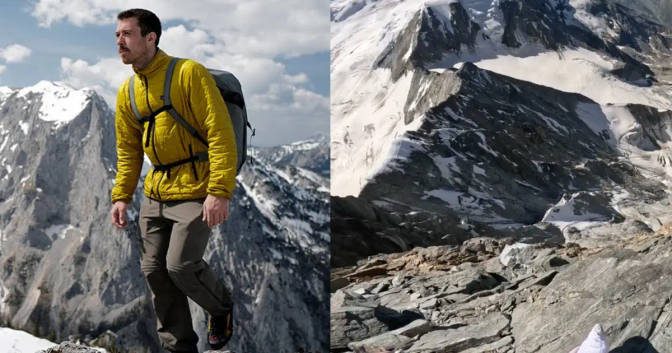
pixel 198 157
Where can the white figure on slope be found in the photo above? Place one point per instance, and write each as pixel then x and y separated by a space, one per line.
pixel 594 343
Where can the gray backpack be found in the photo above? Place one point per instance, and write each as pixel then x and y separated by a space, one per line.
pixel 229 88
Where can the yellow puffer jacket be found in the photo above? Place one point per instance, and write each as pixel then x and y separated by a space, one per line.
pixel 196 97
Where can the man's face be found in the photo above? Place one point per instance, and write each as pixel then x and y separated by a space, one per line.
pixel 131 45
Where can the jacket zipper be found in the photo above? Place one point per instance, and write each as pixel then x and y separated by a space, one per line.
pixel 152 136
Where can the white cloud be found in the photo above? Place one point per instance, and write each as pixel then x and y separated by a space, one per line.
pixel 14 53
pixel 255 27
pixel 245 41
pixel 256 73
pixel 2 69
pixel 105 76
pixel 285 113
pixel 279 110
pixel 278 122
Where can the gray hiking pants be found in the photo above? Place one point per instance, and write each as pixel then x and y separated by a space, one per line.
pixel 173 242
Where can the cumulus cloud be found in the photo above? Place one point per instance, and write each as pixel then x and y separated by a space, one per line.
pixel 14 53
pixel 280 111
pixel 305 115
pixel 254 27
pixel 105 76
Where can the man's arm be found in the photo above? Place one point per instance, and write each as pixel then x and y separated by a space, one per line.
pixel 210 110
pixel 209 107
pixel 129 157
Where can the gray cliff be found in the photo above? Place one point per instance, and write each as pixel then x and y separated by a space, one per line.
pixel 66 272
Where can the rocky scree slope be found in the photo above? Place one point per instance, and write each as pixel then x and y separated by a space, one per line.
pixel 494 295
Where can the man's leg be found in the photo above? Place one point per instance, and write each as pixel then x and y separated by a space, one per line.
pixel 170 304
pixel 185 258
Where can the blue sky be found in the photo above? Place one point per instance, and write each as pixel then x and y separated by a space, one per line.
pixel 278 50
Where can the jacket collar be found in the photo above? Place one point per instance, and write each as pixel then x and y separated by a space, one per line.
pixel 158 62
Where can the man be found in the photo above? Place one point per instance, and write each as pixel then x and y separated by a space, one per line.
pixel 184 199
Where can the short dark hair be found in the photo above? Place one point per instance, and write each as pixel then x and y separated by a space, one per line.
pixel 147 21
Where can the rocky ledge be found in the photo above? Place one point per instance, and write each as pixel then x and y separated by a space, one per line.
pixel 72 347
pixel 494 295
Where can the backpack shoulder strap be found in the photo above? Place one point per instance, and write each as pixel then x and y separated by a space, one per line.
pixel 171 110
pixel 167 81
pixel 131 94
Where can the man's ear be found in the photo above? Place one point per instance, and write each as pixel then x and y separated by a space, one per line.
pixel 151 36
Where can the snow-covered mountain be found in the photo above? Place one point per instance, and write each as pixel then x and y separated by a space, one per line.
pixel 65 271
pixel 511 159
pixel 458 117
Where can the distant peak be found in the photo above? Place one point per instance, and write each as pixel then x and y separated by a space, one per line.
pixel 59 102
pixel 468 68
pixel 310 142
pixel 5 92
pixel 51 87
pixel 441 6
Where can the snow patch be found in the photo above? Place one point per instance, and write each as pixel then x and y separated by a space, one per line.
pixel 563 214
pixel 25 127
pixel 367 126
pixel 4 143
pixel 5 92
pixel 58 229
pixel 16 341
pixel 591 76
pixel 266 206
pixel 60 103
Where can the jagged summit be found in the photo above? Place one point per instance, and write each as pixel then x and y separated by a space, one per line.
pixel 301 154
pixel 58 101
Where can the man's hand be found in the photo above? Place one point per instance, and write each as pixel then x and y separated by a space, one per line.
pixel 118 214
pixel 215 210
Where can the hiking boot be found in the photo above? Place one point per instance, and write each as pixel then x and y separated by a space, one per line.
pixel 220 329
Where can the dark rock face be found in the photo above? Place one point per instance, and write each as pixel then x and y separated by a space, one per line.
pixel 500 157
pixel 66 271
pixel 431 34
pixel 552 23
pixel 654 128
pixel 636 32
pixel 360 228
pixel 538 19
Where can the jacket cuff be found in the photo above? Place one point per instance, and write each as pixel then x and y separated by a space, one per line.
pixel 220 193
pixel 119 198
